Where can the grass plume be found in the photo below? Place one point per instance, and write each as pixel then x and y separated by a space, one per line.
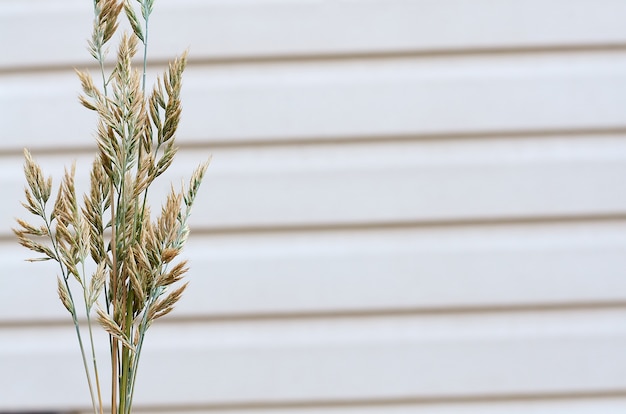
pixel 138 275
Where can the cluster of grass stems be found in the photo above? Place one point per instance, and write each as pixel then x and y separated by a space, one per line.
pixel 134 255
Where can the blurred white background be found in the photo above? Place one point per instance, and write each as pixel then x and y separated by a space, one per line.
pixel 414 206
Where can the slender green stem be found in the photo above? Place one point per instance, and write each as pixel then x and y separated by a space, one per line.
pixel 113 282
pixel 126 356
pixel 82 350
pixel 111 347
pixel 135 365
pixel 93 349
pixel 143 89
pixel 145 53
pixel 121 221
pixel 104 79
pixel 95 364
pixel 72 311
pixel 129 361
pixel 120 224
pixel 143 327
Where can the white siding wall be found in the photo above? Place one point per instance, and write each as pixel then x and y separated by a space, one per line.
pixel 414 206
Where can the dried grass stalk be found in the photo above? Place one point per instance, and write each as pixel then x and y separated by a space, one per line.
pixel 137 272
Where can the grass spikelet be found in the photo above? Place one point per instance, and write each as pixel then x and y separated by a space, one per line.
pixel 113 328
pixel 64 295
pixel 166 305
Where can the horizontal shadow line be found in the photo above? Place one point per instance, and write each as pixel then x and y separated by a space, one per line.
pixel 397 402
pixel 344 140
pixel 412 225
pixel 426 311
pixel 315 57
pixel 617 217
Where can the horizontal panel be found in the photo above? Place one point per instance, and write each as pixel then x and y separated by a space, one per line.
pixel 245 28
pixel 431 181
pixel 461 356
pixel 347 99
pixel 559 406
pixel 368 271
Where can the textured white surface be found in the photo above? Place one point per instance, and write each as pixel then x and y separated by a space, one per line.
pixel 349 99
pixel 223 29
pixel 414 206
pixel 369 184
pixel 341 359
pixel 338 272
pixel 558 406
